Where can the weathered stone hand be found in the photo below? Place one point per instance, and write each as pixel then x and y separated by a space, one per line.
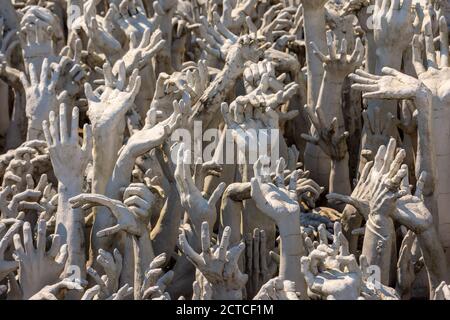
pixel 391 85
pixel 7 266
pixel 126 220
pixel 330 139
pixel 390 19
pixel 330 271
pixel 277 289
pixel 69 160
pixel 56 291
pixel 337 63
pixel 40 91
pixel 199 209
pixel 38 268
pixel 218 264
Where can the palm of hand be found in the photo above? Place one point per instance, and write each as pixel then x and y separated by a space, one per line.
pixel 413 213
pixel 399 87
pixel 198 206
pixel 340 285
pixel 125 218
pixel 438 81
pixel 37 268
pixel 110 109
pixel 135 24
pixel 146 139
pixel 37 272
pixel 279 200
pixel 388 27
pixel 65 154
pixel 40 101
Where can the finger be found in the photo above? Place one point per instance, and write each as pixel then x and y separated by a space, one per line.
pixel 9 236
pixel 224 242
pixel 41 237
pixel 205 238
pixel 217 194
pixel 109 231
pixel 420 184
pixel 28 238
pixel 443 35
pixel 323 236
pixel 193 256
pixel 256 252
pixel 279 179
pixel 429 46
pixel 74 125
pixel 87 140
pixel 54 127
pixel 63 123
pixel 55 247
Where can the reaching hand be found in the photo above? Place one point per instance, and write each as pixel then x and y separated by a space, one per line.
pixel 199 209
pixel 390 19
pixel 391 85
pixel 218 264
pixel 277 289
pixel 126 219
pixel 108 109
pixel 69 160
pixel 274 200
pixel 40 95
pixel 330 271
pixel 337 64
pixel 56 291
pixel 38 268
pixel 7 266
pixel 330 138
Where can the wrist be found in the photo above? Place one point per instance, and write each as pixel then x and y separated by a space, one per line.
pixel 334 79
pixel 289 228
pixel 71 186
pixel 380 225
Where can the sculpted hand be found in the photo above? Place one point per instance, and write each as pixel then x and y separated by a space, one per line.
pixel 218 264
pixel 69 160
pixel 40 96
pixel 7 266
pixel 56 291
pixel 199 209
pixel 126 220
pixel 38 268
pixel 277 289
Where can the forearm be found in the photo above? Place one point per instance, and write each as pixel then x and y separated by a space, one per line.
pixel 121 174
pixel 231 210
pixel 340 177
pixel 164 58
pixel 315 31
pixel 70 225
pixel 106 147
pixel 434 258
pixel 425 147
pixel 329 102
pixel 292 249
pixel 165 234
pixel 143 256
pixel 371 58
pixel 377 245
